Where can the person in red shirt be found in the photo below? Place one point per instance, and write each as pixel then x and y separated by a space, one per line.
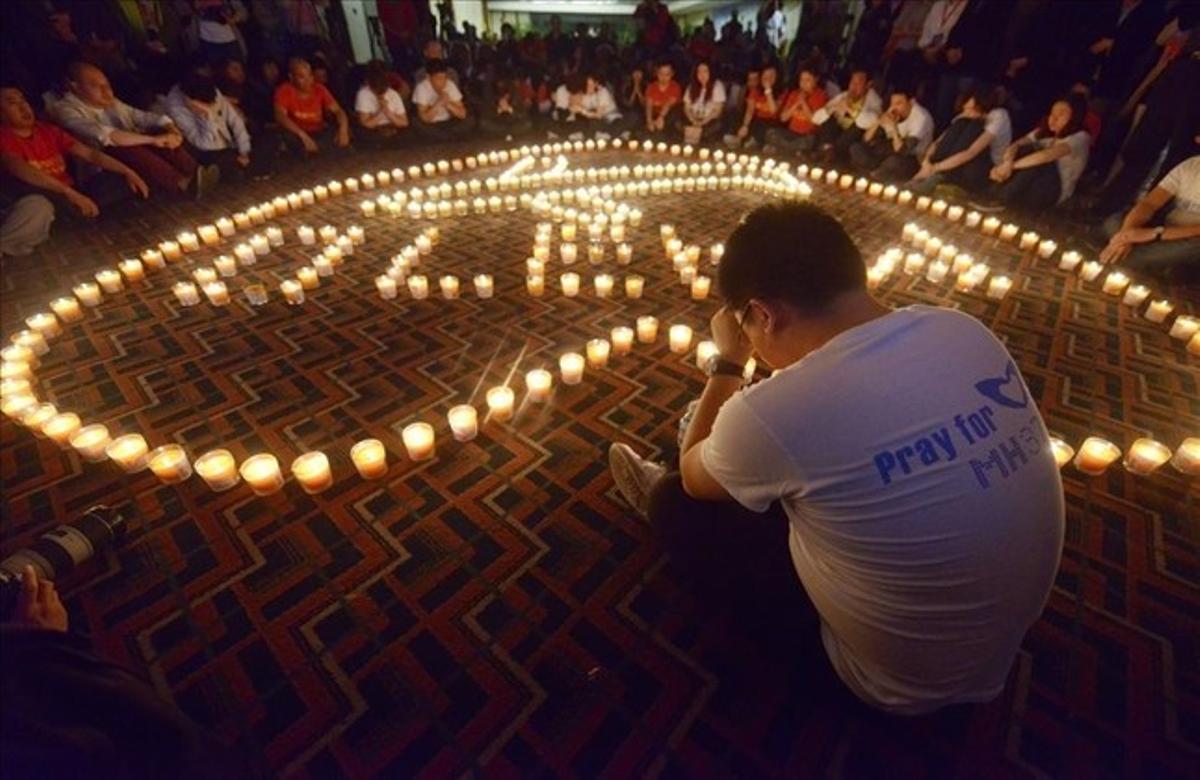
pixel 33 159
pixel 662 97
pixel 762 111
pixel 799 133
pixel 300 107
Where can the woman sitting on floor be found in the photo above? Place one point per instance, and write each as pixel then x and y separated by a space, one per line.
pixel 1040 170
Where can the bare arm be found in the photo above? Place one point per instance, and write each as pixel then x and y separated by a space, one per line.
pixel 32 175
pixel 1145 209
pixel 965 156
pixel 457 109
pixel 697 482
pixel 1042 156
pixel 286 122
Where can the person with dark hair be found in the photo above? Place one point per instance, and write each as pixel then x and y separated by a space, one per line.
pixel 506 110
pixel 33 159
pixel 891 149
pixel 147 142
pixel 798 132
pixel 703 104
pixel 1040 170
pixel 762 111
pixel 259 101
pixel 872 33
pixel 847 115
pixel 215 131
pixel 961 154
pixel 230 78
pixel 924 514
pixel 301 104
pixel 633 92
pixel 440 105
pixel 662 96
pixel 1136 242
pixel 382 119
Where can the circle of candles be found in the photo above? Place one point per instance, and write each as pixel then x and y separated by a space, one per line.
pixel 484 287
pixel 647 329
pixel 570 365
pixel 132 270
pixel 538 383
pixel 1158 311
pixel 262 473
pixel 32 339
pixel 1184 327
pixel 1061 451
pixel 1029 240
pixel 622 339
pixel 90 441
pixel 170 464
pixel 18 353
pixel 597 352
pixel 311 470
pixel 128 451
pixel 18 405
pixel 15 369
pixel 1096 455
pixel 1187 458
pixel 679 338
pixel 61 427
pixel 418 441
pixel 449 286
pixel 500 403
pixel 218 469
pixel 45 324
pixel 88 294
pixel 370 458
pixel 1146 455
pixel 293 291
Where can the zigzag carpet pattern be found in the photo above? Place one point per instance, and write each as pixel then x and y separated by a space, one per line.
pixel 498 610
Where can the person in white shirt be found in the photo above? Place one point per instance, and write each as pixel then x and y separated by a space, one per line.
pixel 382 119
pixel 440 105
pixel 1136 242
pixel 1040 170
pixel 703 104
pixel 892 148
pixel 925 513
pixel 215 130
pixel 960 155
pixel 847 115
pixel 583 104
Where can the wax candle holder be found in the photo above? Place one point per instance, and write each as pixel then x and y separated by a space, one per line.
pixel 218 469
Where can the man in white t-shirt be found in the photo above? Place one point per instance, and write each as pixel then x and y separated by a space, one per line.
pixel 925 507
pixel 891 149
pixel 440 105
pixel 1137 243
pixel 380 109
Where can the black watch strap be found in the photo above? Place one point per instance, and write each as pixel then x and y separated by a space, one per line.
pixel 719 366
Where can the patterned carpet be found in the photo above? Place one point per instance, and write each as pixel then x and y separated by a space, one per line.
pixel 497 610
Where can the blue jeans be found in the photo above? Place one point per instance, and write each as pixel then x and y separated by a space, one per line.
pixel 1156 255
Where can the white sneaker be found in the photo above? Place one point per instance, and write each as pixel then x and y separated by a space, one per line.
pixel 634 475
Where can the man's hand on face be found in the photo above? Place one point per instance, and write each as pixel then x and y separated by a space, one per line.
pixel 732 343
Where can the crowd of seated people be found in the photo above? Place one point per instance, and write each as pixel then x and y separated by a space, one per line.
pixel 1016 107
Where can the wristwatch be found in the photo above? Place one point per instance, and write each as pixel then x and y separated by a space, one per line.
pixel 719 366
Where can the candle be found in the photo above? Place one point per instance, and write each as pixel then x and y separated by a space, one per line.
pixel 1090 270
pixel 700 287
pixel 595 253
pixel 61 427
pixel 209 234
pixel 924 202
pixel 1193 345
pixel 1158 311
pixel 17 406
pixel 904 197
pixel 538 383
pixel 570 284
pixel 913 263
pixel 933 246
pixel 16 369
pixel 616 233
pixel 1184 327
pixel 275 236
pixel 1009 232
pixel 128 452
pixel 188 241
pixel 673 247
pixel 634 286
pixel 312 471
pixel 328 234
pixel 153 258
pixel 186 293
pixel 705 351
pixel 418 287
pixel 88 294
pixel 937 272
pixel 500 403
pixel 34 417
pixel 1069 260
pixel 1146 455
pixel 368 208
pixel 171 250
pixel 991 225
pixel 218 469
pixel 67 309
pixel 262 473
pixel 1095 455
pixel 225 265
pixel 256 294
pixel 32 339
pixel 1136 295
pixel 449 285
pixel 133 270
pixel 170 464
pixel 322 265
pixel 293 291
pixel 603 284
pixel 666 232
pixel 217 293
pixel 370 458
pixel 1029 240
pixel 484 287
pixel 1046 248
pixel 647 329
pixel 570 366
pixel 954 213
pixel 679 338
pixel 1115 282
pixel 356 235
pixel 225 226
pixel 386 286
pixel 597 352
pixel 260 244
pixel 536 285
pixel 910 230
pixel 44 323
pixel 307 235
pixel 568 231
pixel 1061 451
pixel 568 252
pixel 938 207
pixel 973 219
pixel 110 281
pixel 1187 457
pixel 419 441
pixel 242 220
pixel 90 441
pixel 999 287
pixel 309 278
pixel 204 275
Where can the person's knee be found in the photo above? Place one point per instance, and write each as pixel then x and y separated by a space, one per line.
pixel 666 499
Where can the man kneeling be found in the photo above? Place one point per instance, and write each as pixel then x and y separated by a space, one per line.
pixel 923 505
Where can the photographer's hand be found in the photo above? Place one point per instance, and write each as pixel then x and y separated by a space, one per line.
pixel 38 606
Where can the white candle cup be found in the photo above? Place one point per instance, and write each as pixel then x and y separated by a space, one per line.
pixel 647 329
pixel 570 284
pixel 634 285
pixel 1158 311
pixel 679 338
pixel 322 265
pixel 35 416
pixel 1096 455
pixel 595 253
pixel 570 366
pixel 1062 452
pixel 1184 328
pixel 603 285
pixel 954 213
pixel 309 278
pixel 90 441
pixel 245 254
pixel 170 464
pixel 292 291
pixel 225 226
pixel 538 383
pixel 1187 458
pixel 307 236
pixel 500 403
pixel 449 286
pixel 218 469
pixel 44 323
pixel 937 271
pixel 419 441
pixel 188 241
pixel 88 294
pixel 535 285
pixel 16 369
pixel 153 258
pixel 568 231
pixel 32 339
pixel 622 339
pixel 217 293
pixel 242 220
pixel 171 250
pixel 66 309
pixel 938 208
pixel 990 226
pixel 275 236
pixel 1115 283
pixel 204 275
pixel 18 405
pixel 312 471
pixel 328 234
pixel 260 244
pixel 484 286
pixel 132 270
pixel 256 294
pixel 418 287
pixel 1009 232
pixel 1046 248
pixel 973 219
pixel 225 265
pixel 924 202
pixel 904 197
pixel 1145 456
pixel 356 234
pixel 700 287
pixel 597 353
pixel 386 286
pixel 999 287
pixel 261 472
pixel 370 458
pixel 61 427
pixel 186 293
pixel 1136 295
pixel 209 234
pixel 705 351
pixel 128 451
pixel 1069 260
pixel 568 252
pixel 1090 270
pixel 110 281
pixel 1029 239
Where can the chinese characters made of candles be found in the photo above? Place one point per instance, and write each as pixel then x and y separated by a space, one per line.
pixel 218 469
pixel 647 329
pixel 312 471
pixel 622 339
pixel 262 474
pixel 597 352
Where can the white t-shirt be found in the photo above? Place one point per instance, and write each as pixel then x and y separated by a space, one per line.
pixel 1183 182
pixel 926 510
pixel 367 102
pixel 600 103
pixel 999 124
pixel 867 115
pixel 425 95
pixel 1070 165
pixel 702 108
pixel 919 125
